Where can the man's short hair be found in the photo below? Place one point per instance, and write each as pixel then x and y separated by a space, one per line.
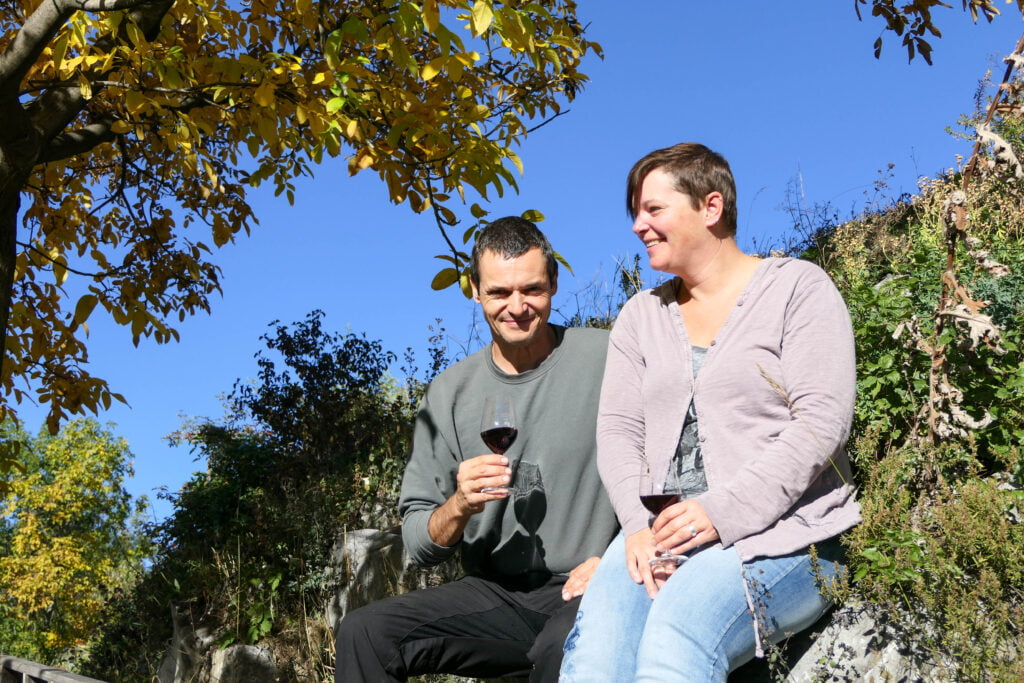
pixel 510 237
pixel 696 171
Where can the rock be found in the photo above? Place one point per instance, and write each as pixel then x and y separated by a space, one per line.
pixel 243 664
pixel 189 647
pixel 854 647
pixel 370 564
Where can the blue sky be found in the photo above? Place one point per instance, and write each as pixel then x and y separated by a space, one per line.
pixel 789 92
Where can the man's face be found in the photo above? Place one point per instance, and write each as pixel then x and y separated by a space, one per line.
pixel 515 295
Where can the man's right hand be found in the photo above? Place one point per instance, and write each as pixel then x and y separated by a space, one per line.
pixel 482 472
pixel 449 520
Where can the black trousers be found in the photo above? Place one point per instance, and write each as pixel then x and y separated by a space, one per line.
pixel 471 627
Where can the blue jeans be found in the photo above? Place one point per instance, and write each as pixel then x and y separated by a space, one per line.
pixel 700 625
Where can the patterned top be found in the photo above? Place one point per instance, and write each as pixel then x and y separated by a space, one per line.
pixel 686 471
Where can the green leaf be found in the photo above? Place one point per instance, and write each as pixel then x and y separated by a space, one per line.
pixel 59 50
pixel 444 279
pixel 561 259
pixel 84 308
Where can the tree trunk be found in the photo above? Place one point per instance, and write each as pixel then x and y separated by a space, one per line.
pixel 9 203
pixel 19 149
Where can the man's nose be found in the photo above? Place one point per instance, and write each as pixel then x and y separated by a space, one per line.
pixel 517 303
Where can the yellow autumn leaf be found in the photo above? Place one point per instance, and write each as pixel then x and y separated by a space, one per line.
pixel 59 50
pixel 431 15
pixel 465 285
pixel 432 68
pixel 60 270
pixel 264 95
pixel 84 86
pixel 482 16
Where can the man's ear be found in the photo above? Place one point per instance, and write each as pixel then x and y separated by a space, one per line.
pixel 714 205
pixel 476 290
pixel 554 284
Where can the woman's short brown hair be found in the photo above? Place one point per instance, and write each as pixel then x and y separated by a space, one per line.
pixel 696 171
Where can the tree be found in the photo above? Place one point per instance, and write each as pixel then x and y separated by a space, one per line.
pixel 71 539
pixel 313 446
pixel 913 21
pixel 133 128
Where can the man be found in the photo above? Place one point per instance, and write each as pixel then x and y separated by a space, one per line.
pixel 529 546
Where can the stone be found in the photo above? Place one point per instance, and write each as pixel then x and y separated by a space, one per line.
pixel 243 664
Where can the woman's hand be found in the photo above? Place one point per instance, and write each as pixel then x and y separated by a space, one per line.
pixel 639 552
pixel 682 527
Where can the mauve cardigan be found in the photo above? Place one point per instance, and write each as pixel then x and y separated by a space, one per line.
pixel 774 402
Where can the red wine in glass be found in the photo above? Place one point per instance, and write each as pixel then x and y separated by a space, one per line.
pixel 498 428
pixel 499 439
pixel 655 498
pixel 656 502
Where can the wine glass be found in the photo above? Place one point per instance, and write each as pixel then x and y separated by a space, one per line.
pixel 656 496
pixel 498 428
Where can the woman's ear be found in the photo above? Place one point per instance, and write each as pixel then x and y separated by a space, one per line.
pixel 714 205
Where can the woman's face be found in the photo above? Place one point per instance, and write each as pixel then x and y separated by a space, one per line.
pixel 676 234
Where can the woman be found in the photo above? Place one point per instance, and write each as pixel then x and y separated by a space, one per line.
pixel 734 380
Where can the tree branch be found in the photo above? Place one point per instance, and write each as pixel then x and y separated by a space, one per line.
pixel 106 5
pixel 78 141
pixel 55 109
pixel 35 34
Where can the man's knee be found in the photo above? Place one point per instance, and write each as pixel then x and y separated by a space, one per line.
pixel 546 653
pixel 360 647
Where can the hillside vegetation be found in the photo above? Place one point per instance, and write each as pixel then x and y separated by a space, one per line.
pixel 935 288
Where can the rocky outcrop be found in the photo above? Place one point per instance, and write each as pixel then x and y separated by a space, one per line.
pixel 365 565
pixel 369 564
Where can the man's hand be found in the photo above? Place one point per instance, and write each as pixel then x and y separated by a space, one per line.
pixel 449 520
pixel 483 471
pixel 682 527
pixel 579 578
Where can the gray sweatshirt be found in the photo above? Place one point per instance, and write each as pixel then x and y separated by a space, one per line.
pixel 559 514
pixel 774 401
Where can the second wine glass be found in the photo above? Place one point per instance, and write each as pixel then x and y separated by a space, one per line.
pixel 656 496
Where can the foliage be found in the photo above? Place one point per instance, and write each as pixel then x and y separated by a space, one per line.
pixel 71 539
pixel 315 446
pixel 938 310
pixel 913 21
pixel 134 128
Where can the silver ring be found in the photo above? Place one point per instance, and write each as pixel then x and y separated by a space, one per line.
pixel 693 531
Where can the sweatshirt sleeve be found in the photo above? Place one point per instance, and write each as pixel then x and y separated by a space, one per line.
pixel 817 390
pixel 620 423
pixel 426 484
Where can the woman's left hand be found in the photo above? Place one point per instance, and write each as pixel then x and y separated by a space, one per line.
pixel 682 527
